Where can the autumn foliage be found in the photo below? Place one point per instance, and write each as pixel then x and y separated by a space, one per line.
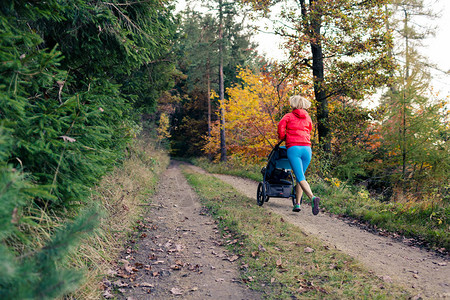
pixel 253 110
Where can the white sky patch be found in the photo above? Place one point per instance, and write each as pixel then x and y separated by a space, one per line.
pixel 436 49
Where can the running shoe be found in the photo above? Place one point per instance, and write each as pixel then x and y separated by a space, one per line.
pixel 315 205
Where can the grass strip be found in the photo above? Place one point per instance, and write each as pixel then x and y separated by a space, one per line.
pixel 279 259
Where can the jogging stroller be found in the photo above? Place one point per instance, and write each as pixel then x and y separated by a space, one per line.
pixel 278 178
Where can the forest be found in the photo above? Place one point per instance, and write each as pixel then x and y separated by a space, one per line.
pixel 92 89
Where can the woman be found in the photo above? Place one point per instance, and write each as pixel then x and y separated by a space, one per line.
pixel 295 128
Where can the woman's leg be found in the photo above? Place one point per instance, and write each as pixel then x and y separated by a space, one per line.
pixel 298 193
pixel 306 188
pixel 299 158
pixel 297 163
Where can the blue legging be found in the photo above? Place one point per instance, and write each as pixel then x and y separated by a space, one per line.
pixel 299 157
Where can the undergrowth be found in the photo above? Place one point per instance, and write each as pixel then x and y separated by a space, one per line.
pixel 278 259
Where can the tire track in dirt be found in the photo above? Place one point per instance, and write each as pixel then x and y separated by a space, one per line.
pixel 179 253
pixel 423 272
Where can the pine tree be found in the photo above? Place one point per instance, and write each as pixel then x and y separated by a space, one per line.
pixel 413 125
pixel 37 273
pixel 199 60
pixel 66 116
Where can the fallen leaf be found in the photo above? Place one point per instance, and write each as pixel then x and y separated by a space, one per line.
pixel 120 283
pixel 279 263
pixel 176 291
pixel 272 280
pixel 107 294
pixel 233 258
pixel 105 284
pixel 126 265
pixel 308 250
pixel 254 253
pixel 261 248
pixel 112 272
pixel 146 284
pixel 123 275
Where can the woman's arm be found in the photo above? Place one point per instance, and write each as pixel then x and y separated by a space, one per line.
pixel 282 129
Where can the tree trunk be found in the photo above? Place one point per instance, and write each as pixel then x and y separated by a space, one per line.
pixel 404 97
pixel 208 95
pixel 314 19
pixel 223 149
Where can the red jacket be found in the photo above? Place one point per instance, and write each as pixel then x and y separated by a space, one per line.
pixel 295 128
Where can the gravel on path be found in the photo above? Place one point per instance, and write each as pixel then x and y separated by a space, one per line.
pixel 179 252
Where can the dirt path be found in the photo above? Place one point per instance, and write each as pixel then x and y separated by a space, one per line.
pixel 425 273
pixel 179 252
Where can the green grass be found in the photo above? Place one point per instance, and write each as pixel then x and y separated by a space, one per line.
pixel 272 251
pixel 426 222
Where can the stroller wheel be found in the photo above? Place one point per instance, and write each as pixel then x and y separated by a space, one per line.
pixel 261 194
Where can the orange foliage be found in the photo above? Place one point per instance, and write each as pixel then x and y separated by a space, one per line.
pixel 252 112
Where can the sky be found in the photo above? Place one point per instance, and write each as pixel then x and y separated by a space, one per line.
pixel 436 49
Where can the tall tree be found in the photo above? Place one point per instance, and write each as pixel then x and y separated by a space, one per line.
pixel 223 147
pixel 199 59
pixel 348 48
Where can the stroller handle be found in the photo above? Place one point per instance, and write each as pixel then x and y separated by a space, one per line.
pixel 278 144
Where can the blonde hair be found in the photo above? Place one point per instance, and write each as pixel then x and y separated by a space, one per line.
pixel 299 102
